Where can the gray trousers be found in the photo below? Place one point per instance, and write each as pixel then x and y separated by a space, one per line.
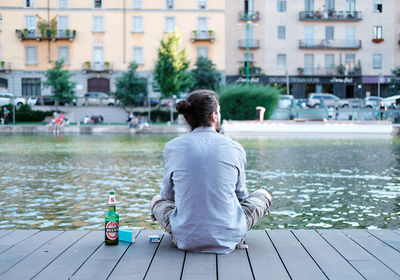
pixel 254 207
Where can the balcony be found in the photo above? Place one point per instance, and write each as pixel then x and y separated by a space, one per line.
pixel 253 16
pixel 253 71
pixel 251 44
pixel 330 44
pixel 203 35
pixel 5 67
pixel 97 67
pixel 340 70
pixel 45 34
pixel 330 16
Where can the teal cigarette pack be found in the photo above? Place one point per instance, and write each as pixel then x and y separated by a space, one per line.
pixel 126 235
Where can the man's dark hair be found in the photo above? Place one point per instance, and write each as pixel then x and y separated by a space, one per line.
pixel 198 107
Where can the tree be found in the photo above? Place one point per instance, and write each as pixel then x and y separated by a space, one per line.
pixel 395 81
pixel 170 70
pixel 131 89
pixel 58 79
pixel 205 76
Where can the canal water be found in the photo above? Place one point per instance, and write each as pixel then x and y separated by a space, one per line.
pixel 62 182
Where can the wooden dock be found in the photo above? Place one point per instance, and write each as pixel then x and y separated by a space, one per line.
pixel 272 254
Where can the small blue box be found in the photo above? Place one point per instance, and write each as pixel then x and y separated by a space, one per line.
pixel 126 235
pixel 154 238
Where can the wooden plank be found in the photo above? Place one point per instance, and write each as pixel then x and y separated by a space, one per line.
pixel 137 258
pixel 10 240
pixel 200 266
pixel 328 259
pixel 67 263
pixel 234 266
pixel 296 259
pixel 264 259
pixel 365 263
pixel 380 250
pixel 35 262
pixel 387 236
pixel 167 262
pixel 4 232
pixel 24 248
pixel 102 262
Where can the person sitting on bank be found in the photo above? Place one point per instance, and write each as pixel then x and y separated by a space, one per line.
pixel 204 202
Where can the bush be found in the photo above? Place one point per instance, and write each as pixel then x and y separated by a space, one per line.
pixel 157 115
pixel 26 114
pixel 240 102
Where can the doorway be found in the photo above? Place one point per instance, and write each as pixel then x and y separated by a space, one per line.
pixel 349 91
pixel 98 85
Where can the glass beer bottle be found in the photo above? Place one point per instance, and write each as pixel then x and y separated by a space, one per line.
pixel 112 222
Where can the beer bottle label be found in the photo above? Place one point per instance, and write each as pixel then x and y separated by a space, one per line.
pixel 112 230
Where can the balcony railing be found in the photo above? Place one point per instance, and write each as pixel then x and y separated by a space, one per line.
pixel 251 44
pixel 5 66
pixel 97 67
pixel 253 16
pixel 330 44
pixel 330 16
pixel 333 71
pixel 253 71
pixel 203 35
pixel 46 34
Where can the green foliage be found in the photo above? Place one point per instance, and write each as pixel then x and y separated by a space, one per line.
pixel 395 82
pixel 170 70
pixel 240 102
pixel 131 89
pixel 157 115
pixel 25 114
pixel 58 79
pixel 205 76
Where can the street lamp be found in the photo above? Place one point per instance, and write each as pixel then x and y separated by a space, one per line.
pixel 379 84
pixel 248 22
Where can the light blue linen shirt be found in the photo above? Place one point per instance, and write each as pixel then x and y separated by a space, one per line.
pixel 204 173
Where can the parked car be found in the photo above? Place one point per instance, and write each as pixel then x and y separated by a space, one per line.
pixel 6 98
pixel 316 100
pixel 285 101
pixel 392 103
pixel 356 103
pixel 50 101
pixel 372 102
pixel 98 98
pixel 301 103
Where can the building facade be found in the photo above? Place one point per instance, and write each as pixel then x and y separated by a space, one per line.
pixel 345 47
pixel 98 39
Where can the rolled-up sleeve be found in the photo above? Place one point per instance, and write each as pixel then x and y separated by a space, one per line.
pixel 167 189
pixel 241 189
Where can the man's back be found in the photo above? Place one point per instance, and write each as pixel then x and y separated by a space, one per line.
pixel 203 173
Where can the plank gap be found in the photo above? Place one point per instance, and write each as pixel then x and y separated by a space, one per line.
pixel 283 263
pixel 183 265
pixel 155 252
pixel 383 241
pixel 251 267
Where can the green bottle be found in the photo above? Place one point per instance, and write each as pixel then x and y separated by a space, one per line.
pixel 112 222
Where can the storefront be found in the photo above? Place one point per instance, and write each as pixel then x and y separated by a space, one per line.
pixel 375 87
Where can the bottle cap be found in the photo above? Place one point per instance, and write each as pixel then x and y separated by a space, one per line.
pixel 111 199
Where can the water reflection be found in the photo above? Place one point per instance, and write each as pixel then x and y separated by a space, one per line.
pixel 52 183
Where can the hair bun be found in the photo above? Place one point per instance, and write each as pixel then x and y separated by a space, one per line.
pixel 183 107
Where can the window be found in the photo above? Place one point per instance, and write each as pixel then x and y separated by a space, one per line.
pixel 250 57
pixel 30 22
pixel 137 4
pixel 170 4
pixel 137 24
pixel 309 35
pixel 308 64
pixel 202 28
pixel 249 6
pixel 202 52
pixel 281 6
pixel 202 4
pixel 351 37
pixel 63 53
pixel 329 33
pixel 31 55
pixel 29 3
pixel 281 32
pixel 378 32
pixel 329 5
pixel 138 55
pixel 97 3
pixel 350 5
pixel 377 61
pixel 62 22
pixel 281 61
pixel 63 4
pixel 309 5
pixel 169 24
pixel 31 86
pixel 378 6
pixel 98 25
pixel 350 62
pixel 329 61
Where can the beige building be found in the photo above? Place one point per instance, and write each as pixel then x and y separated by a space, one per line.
pixel 335 46
pixel 99 38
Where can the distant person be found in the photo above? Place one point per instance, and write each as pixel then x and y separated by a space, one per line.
pixel 130 117
pixel 5 115
pixel 382 108
pixel 204 202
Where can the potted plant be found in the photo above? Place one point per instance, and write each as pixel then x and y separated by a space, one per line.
pixel 341 69
pixel 107 65
pixel 26 31
pixel 377 40
pixel 2 64
pixel 67 32
pixel 318 14
pixel 53 33
pixel 87 64
pixel 300 70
